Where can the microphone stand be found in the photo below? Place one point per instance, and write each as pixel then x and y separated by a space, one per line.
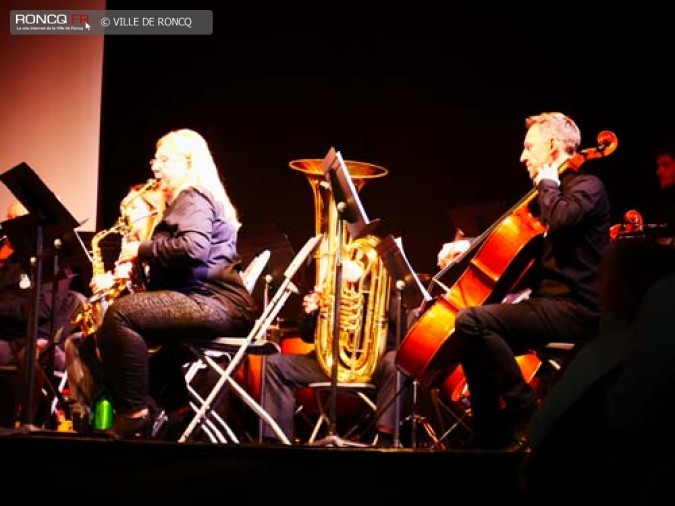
pixel 400 286
pixel 266 301
pixel 27 415
pixel 52 313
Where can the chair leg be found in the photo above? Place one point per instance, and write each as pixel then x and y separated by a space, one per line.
pixel 211 420
pixel 317 427
pixel 205 404
pixel 257 333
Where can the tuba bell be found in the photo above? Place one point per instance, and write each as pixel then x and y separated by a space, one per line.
pixel 365 291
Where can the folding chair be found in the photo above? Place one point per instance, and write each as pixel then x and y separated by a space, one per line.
pixel 214 426
pixel 234 349
pixel 540 367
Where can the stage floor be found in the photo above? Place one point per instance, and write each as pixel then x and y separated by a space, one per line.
pixel 60 466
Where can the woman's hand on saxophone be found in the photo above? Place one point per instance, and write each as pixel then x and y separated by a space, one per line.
pixel 101 282
pixel 128 252
pixel 123 271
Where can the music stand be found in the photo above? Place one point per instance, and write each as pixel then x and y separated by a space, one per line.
pixel 391 252
pixel 48 218
pixel 65 249
pixel 352 215
pixel 346 197
pixel 408 288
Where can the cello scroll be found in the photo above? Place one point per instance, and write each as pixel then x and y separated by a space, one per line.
pixel 607 144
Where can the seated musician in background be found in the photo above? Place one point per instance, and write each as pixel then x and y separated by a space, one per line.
pixel 195 289
pixel 453 249
pixel 658 223
pixel 664 208
pixel 563 304
pixel 15 309
pixel 285 374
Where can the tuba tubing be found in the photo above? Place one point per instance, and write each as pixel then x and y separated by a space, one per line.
pixel 365 288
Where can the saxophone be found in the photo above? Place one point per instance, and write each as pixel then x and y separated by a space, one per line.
pixel 90 316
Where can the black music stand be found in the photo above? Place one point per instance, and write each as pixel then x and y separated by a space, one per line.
pixel 350 209
pixel 409 288
pixel 352 215
pixel 48 222
pixel 391 252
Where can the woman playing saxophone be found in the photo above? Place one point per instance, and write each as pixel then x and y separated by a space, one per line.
pixel 140 210
pixel 195 290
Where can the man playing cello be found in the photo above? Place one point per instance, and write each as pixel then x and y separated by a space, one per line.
pixel 574 209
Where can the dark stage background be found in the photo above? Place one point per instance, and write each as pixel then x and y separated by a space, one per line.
pixel 438 101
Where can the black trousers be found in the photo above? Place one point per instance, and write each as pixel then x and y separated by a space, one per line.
pixel 489 337
pixel 139 320
pixel 286 373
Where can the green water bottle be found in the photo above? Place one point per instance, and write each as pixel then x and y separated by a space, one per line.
pixel 103 414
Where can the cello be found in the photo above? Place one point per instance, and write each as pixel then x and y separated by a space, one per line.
pixel 634 228
pixel 493 265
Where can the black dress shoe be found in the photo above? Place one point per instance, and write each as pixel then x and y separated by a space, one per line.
pixel 125 427
pixel 172 425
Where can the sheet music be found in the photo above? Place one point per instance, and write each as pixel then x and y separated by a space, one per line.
pixel 422 289
pixel 352 188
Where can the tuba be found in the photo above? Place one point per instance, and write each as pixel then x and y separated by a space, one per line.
pixel 365 291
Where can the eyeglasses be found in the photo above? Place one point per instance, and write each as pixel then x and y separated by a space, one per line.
pixel 164 159
pixel 161 159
